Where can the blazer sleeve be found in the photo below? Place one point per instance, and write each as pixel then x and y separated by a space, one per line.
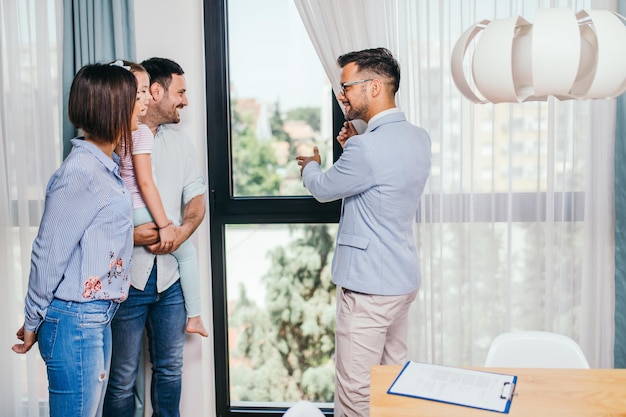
pixel 350 175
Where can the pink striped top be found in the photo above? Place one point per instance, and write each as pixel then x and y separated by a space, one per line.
pixel 143 140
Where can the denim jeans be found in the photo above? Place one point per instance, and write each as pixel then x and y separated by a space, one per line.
pixel 163 316
pixel 75 343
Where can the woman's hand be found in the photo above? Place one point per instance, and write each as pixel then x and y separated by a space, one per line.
pixel 28 338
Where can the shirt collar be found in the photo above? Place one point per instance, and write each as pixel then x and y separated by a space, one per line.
pixel 112 164
pixel 383 113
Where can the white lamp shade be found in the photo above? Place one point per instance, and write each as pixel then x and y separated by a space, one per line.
pixel 565 55
pixel 457 64
pixel 555 52
pixel 492 63
pixel 611 57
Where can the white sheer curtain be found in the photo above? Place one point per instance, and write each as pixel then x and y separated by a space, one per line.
pixel 515 230
pixel 30 57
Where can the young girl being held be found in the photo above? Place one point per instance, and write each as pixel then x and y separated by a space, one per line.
pixel 136 170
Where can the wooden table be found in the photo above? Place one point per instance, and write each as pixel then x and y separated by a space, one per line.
pixel 539 392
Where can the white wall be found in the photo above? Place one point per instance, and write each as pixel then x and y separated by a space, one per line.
pixel 175 29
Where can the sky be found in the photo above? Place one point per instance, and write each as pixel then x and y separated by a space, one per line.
pixel 271 55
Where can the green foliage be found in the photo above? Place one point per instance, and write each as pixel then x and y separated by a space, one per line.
pixel 311 115
pixel 286 350
pixel 254 162
pixel 276 124
pixel 266 166
pixel 254 168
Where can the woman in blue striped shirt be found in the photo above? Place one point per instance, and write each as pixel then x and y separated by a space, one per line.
pixel 81 255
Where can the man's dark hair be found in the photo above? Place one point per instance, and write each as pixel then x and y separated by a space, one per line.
pixel 161 70
pixel 377 60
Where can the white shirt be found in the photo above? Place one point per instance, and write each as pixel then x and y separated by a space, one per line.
pixel 176 172
pixel 383 113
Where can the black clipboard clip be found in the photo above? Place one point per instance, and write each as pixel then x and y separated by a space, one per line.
pixel 508 390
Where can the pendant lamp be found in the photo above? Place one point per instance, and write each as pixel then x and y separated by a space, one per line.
pixel 562 54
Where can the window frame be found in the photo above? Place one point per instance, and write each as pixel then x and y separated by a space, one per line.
pixel 225 209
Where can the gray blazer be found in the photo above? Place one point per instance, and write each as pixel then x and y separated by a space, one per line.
pixel 380 176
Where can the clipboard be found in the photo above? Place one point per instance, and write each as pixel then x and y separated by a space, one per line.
pixel 465 387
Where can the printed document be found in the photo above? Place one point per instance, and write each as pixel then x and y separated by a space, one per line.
pixel 466 387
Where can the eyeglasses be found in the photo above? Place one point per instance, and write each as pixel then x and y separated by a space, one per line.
pixel 349 83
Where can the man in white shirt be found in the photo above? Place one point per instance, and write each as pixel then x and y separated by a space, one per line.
pixel 155 302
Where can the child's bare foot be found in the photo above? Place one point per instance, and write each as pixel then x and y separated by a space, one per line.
pixel 195 325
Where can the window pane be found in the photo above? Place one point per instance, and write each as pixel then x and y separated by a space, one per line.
pixel 514 275
pixel 280 98
pixel 518 144
pixel 281 313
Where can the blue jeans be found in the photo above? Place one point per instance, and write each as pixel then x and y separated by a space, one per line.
pixel 75 343
pixel 163 316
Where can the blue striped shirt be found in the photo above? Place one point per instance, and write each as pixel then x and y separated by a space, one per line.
pixel 85 241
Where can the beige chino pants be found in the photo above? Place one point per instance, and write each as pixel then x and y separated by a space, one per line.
pixel 370 330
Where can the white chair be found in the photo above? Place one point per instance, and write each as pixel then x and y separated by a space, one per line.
pixel 535 349
pixel 303 409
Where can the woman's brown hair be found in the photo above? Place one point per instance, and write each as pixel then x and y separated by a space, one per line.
pixel 102 100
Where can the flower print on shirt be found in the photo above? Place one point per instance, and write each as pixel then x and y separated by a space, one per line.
pixel 116 267
pixel 118 273
pixel 92 286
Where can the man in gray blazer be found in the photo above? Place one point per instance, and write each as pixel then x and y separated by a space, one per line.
pixel 380 177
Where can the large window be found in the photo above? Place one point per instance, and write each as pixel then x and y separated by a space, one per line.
pixel 268 101
pixel 505 232
pixel 280 98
